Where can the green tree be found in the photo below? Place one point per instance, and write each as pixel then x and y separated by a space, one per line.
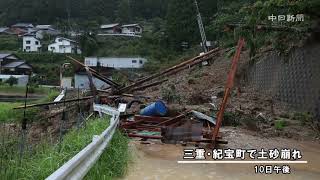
pixel 124 11
pixel 12 80
pixel 182 23
pixel 88 44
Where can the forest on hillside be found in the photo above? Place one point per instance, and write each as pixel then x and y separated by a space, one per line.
pixel 168 23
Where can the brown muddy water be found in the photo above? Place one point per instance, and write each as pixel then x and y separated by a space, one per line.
pixel 157 161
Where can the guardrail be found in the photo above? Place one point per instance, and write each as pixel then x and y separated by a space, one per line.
pixel 77 167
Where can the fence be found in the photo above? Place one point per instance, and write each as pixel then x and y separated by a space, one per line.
pixel 44 126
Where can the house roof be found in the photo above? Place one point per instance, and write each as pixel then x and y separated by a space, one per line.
pixel 67 39
pixel 15 64
pixel 17 31
pixel 3 29
pixel 4 55
pixel 24 25
pixel 44 26
pixel 130 25
pixel 8 56
pixel 107 26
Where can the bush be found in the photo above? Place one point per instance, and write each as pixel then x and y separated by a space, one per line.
pixel 280 124
pixel 12 80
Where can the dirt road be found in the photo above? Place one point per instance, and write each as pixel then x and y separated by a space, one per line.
pixel 159 161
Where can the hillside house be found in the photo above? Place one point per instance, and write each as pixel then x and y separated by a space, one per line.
pixel 48 29
pixel 131 29
pixel 16 31
pixel 64 45
pixel 11 65
pixel 36 33
pixel 115 62
pixel 31 43
pixel 24 26
pixel 110 28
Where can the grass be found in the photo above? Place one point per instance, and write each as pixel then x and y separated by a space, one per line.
pixel 113 162
pixel 7 114
pixel 280 124
pixel 4 88
pixel 49 158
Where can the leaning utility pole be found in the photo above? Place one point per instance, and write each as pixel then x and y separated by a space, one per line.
pixel 201 28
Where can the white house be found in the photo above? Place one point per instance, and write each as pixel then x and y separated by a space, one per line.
pixel 115 62
pixel 64 45
pixel 131 29
pixel 31 44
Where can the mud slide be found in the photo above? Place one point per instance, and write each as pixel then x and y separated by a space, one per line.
pixel 159 161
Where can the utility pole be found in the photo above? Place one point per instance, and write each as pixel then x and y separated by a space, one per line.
pixel 201 28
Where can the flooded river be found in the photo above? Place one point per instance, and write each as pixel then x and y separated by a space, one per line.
pixel 159 161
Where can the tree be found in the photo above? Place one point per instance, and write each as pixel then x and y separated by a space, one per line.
pixel 182 23
pixel 12 80
pixel 88 44
pixel 124 11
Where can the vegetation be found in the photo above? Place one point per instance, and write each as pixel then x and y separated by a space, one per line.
pixel 280 124
pixel 12 80
pixel 46 66
pixel 114 161
pixel 9 43
pixel 5 88
pixel 7 114
pixel 50 157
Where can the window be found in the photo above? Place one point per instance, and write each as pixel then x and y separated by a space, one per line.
pixel 60 40
pixel 134 61
pixel 140 62
pixel 28 47
pixel 52 48
pixel 28 42
pixel 37 42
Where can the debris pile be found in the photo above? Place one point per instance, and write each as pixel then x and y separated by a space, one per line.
pixel 156 120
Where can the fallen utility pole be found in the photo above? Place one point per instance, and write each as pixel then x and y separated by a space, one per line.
pixel 52 103
pixel 156 75
pixel 149 85
pixel 230 82
pixel 96 74
pixel 198 61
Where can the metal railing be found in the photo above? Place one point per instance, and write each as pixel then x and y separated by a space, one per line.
pixel 77 167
